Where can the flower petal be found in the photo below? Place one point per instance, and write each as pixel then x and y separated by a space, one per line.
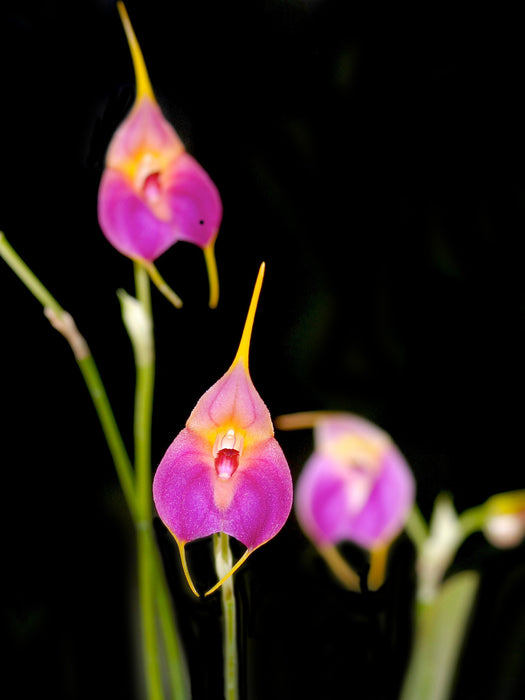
pixel 144 132
pixel 233 401
pixel 329 495
pixel 128 222
pixel 190 500
pixel 183 489
pixel 320 500
pixel 388 506
pixel 193 201
pixel 263 494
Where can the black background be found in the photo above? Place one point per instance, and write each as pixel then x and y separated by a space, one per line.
pixel 375 160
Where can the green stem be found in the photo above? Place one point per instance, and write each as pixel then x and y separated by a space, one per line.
pixel 110 429
pixel 145 376
pixel 65 324
pixel 473 520
pixel 439 635
pixel 30 280
pixel 177 671
pixel 223 564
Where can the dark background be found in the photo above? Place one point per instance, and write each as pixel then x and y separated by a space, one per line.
pixel 375 160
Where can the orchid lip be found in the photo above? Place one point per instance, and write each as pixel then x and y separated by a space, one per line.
pixel 226 463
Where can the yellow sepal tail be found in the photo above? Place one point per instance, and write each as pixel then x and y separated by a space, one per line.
pixel 182 552
pixel 234 568
pixel 142 80
pixel 244 346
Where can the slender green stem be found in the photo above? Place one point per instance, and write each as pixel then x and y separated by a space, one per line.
pixel 65 324
pixel 154 593
pixel 177 670
pixel 110 429
pixel 473 519
pixel 30 280
pixel 145 376
pixel 223 564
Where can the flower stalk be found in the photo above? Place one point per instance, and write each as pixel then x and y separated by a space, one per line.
pixel 223 564
pixel 157 610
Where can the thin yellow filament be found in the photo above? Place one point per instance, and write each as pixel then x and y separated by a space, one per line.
pixel 377 571
pixel 161 285
pixel 142 80
pixel 341 568
pixel 213 275
pixel 184 563
pixel 244 346
pixel 298 421
pixel 234 568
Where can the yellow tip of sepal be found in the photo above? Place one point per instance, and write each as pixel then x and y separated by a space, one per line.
pixel 142 80
pixel 213 275
pixel 184 563
pixel 244 346
pixel 340 568
pixel 377 571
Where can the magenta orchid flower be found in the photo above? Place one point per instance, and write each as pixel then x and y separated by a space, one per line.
pixel 225 471
pixel 153 193
pixel 356 487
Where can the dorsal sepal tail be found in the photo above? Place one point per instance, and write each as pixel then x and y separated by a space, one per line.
pixel 143 84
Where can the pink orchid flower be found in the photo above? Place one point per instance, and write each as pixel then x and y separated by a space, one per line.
pixel 153 193
pixel 225 471
pixel 356 487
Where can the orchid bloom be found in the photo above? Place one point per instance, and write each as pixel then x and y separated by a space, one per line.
pixel 153 193
pixel 355 487
pixel 225 471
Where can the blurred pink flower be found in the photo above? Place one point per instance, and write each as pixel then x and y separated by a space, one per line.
pixel 153 193
pixel 355 487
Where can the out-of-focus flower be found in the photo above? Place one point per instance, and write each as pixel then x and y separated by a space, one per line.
pixel 225 472
pixel 356 486
pixel 153 193
pixel 505 519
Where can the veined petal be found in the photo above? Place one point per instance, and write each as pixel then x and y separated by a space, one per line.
pixel 144 139
pixel 232 402
pixel 128 222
